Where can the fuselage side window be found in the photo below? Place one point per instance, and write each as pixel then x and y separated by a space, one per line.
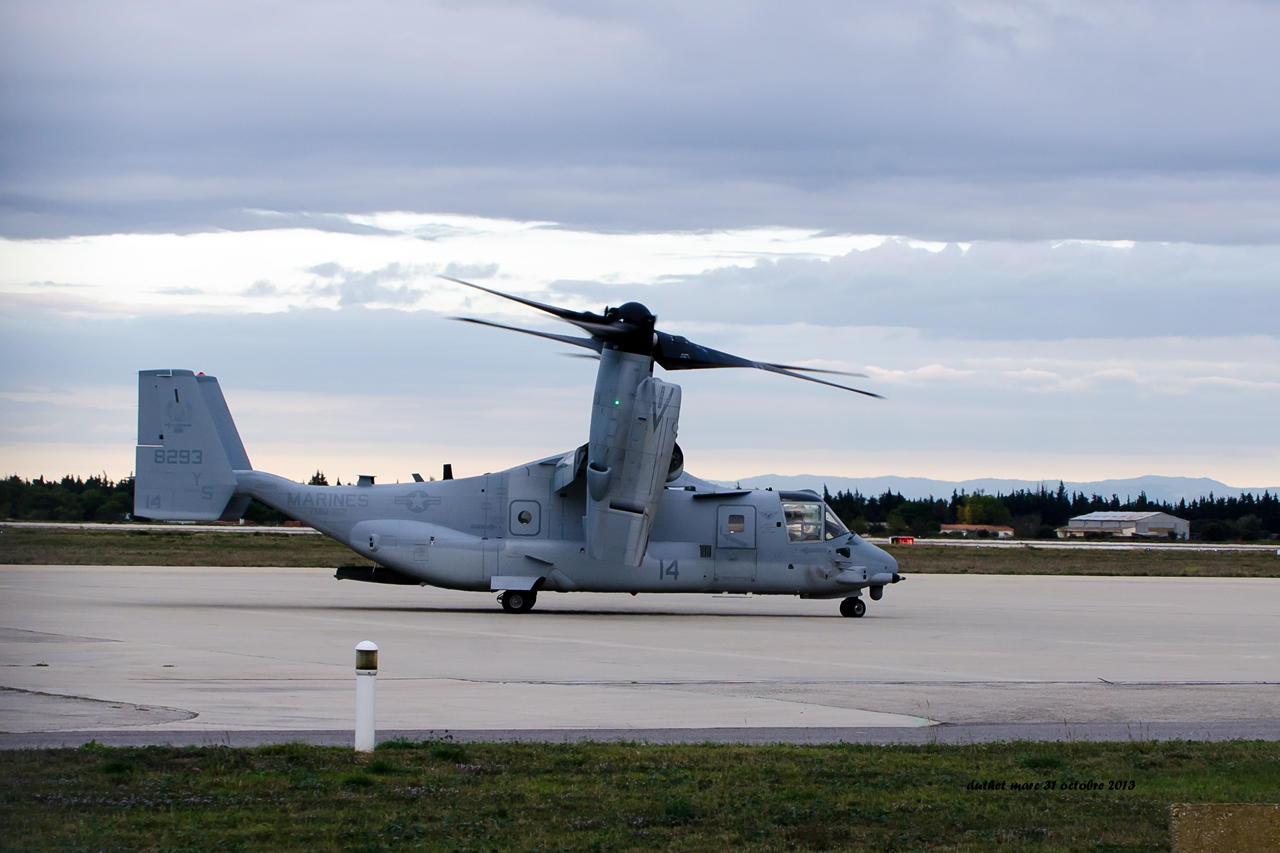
pixel 835 527
pixel 804 521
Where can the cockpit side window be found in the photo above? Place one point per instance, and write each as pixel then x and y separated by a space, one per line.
pixel 835 527
pixel 804 521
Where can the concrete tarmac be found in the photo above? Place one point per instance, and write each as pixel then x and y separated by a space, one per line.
pixel 188 653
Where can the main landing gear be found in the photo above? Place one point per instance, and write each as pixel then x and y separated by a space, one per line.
pixel 853 606
pixel 518 600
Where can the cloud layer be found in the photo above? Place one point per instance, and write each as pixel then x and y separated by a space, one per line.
pixel 1055 359
pixel 954 120
pixel 996 290
pixel 1087 195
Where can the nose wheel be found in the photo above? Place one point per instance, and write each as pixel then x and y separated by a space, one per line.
pixel 518 600
pixel 853 606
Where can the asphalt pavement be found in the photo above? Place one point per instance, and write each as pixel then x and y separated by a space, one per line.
pixel 145 654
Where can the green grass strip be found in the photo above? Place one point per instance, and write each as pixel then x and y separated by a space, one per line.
pixel 441 795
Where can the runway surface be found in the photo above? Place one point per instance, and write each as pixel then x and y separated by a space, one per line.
pixel 189 653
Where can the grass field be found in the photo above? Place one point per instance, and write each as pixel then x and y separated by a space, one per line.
pixel 52 546
pixel 445 796
pixel 60 547
pixel 1065 561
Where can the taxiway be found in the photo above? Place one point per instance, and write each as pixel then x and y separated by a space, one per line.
pixel 198 651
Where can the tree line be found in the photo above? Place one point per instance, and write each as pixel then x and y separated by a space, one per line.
pixel 96 498
pixel 1039 513
pixel 1030 513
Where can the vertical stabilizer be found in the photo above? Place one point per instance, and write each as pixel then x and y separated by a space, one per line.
pixel 188 448
pixel 221 415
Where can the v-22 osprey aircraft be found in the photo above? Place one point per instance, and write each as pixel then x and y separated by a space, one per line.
pixel 617 514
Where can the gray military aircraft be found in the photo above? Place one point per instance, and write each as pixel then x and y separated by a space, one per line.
pixel 618 514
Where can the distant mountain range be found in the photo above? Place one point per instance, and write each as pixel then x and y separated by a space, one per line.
pixel 1171 489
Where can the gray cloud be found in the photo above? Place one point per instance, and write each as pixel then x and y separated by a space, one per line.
pixel 262 287
pixel 378 286
pixel 477 271
pixel 354 349
pixel 951 120
pixel 1006 291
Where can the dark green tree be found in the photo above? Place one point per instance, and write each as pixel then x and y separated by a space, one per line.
pixel 982 509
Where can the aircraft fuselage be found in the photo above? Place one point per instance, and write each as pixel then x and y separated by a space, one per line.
pixel 523 528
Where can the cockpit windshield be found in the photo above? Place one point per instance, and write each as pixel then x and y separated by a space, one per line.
pixel 811 521
pixel 835 527
pixel 805 522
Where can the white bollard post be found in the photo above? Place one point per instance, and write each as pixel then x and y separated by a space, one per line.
pixel 366 689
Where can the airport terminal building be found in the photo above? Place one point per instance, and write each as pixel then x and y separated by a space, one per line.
pixel 1154 524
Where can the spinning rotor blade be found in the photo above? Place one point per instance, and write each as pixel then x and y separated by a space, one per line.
pixel 597 325
pixel 630 328
pixel 772 369
pixel 676 353
pixel 587 343
pixel 562 313
pixel 820 370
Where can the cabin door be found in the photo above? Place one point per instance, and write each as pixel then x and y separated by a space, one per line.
pixel 735 542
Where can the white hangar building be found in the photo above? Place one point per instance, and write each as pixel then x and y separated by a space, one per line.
pixel 1127 524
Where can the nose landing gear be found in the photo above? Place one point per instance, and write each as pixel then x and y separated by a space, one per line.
pixel 853 606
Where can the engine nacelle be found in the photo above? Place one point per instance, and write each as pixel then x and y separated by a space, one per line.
pixel 630 456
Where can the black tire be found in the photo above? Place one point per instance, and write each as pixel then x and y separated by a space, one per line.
pixel 853 606
pixel 518 600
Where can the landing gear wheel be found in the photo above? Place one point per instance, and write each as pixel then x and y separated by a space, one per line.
pixel 853 607
pixel 518 600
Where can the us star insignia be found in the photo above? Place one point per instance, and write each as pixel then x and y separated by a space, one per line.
pixel 417 501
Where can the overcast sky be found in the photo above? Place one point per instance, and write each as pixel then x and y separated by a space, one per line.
pixel 1048 232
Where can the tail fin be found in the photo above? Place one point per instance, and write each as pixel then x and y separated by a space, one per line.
pixel 188 449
